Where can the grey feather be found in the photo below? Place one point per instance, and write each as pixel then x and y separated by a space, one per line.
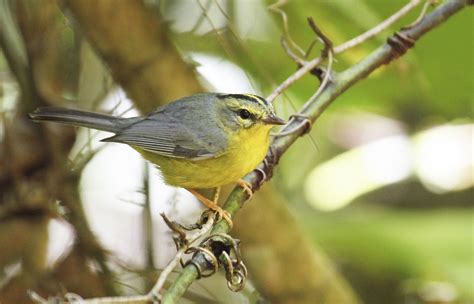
pixel 182 129
pixel 92 120
pixel 195 127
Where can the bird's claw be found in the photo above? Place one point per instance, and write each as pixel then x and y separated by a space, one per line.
pixel 225 215
pixel 246 186
pixel 221 213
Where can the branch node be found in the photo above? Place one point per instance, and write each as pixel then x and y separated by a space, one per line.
pixel 400 43
pixel 220 249
pixel 203 259
pixel 155 297
pixel 306 122
pixel 263 176
pixel 265 170
pixel 320 73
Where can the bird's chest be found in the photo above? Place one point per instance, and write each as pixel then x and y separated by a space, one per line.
pixel 244 152
pixel 248 148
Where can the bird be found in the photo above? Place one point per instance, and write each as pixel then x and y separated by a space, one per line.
pixel 197 142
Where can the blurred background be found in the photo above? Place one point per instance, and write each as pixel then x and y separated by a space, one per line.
pixel 375 205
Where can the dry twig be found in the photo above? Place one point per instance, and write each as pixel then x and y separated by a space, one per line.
pixel 310 65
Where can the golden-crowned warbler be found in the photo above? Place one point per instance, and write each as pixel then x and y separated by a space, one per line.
pixel 201 141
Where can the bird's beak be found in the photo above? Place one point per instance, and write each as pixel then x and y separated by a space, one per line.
pixel 273 120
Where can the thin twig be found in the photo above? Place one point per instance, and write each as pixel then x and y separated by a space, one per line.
pixel 378 29
pixel 275 7
pixel 327 42
pixel 422 13
pixel 148 219
pixel 382 55
pixel 202 17
pixel 191 237
pixel 154 294
pixel 328 51
pixel 310 65
pixel 286 131
pixel 290 53
pixel 327 77
pixel 256 63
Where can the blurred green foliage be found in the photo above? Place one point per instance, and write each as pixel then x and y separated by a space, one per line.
pixel 384 250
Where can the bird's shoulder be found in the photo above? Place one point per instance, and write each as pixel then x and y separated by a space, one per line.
pixel 186 128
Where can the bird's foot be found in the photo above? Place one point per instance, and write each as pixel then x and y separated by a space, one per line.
pixel 246 186
pixel 221 213
pixel 224 214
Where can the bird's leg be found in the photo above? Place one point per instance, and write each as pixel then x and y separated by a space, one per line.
pixel 217 192
pixel 246 186
pixel 213 204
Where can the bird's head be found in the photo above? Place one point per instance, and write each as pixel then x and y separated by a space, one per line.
pixel 244 111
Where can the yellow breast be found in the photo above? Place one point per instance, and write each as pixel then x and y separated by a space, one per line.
pixel 245 151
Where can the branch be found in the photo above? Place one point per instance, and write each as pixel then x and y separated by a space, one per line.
pixel 394 48
pixel 306 68
pixel 187 240
pixel 378 29
pixel 183 241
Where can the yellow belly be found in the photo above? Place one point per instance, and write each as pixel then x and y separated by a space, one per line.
pixel 245 152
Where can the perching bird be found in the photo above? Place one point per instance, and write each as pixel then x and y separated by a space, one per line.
pixel 201 141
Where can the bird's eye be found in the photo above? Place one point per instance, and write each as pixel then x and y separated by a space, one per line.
pixel 244 114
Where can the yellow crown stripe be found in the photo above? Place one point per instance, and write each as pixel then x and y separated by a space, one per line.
pixel 258 99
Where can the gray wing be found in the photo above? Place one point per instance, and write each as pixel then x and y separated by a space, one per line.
pixel 188 136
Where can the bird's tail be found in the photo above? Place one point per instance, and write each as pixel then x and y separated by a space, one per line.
pixel 80 118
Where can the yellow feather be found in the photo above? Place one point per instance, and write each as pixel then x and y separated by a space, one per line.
pixel 246 150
